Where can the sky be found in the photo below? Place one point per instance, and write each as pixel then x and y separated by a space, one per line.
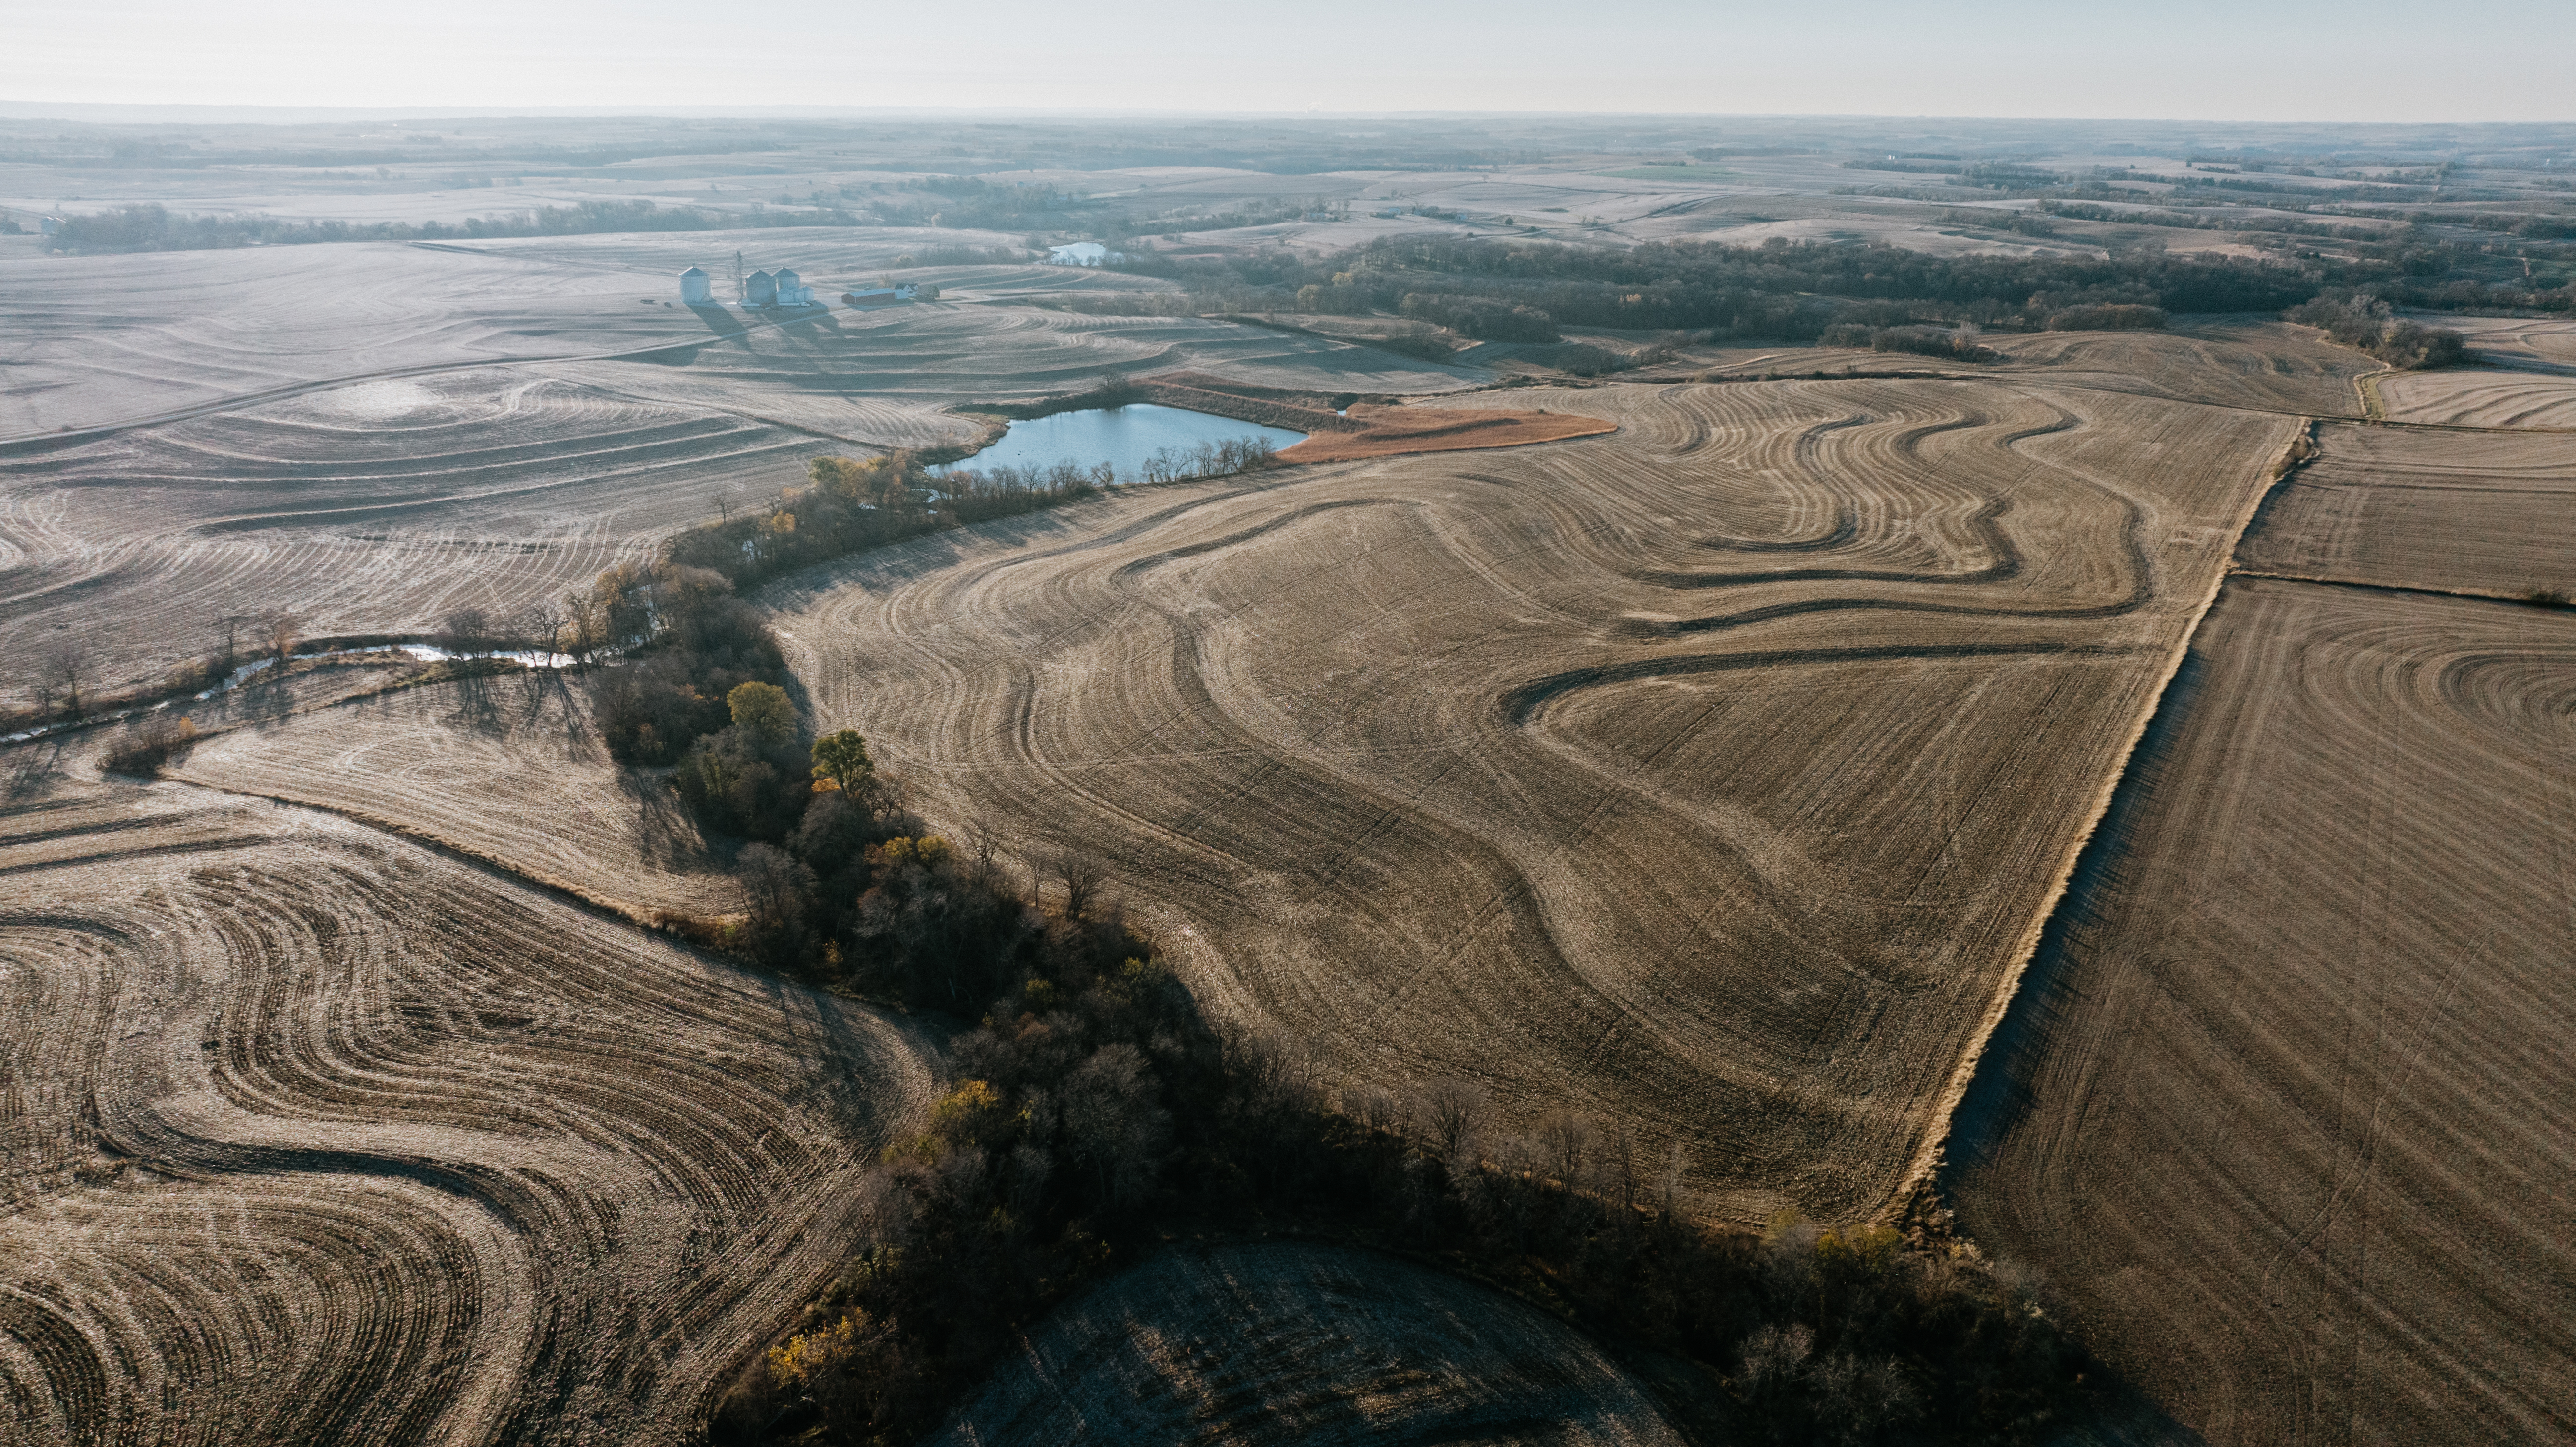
pixel 2257 60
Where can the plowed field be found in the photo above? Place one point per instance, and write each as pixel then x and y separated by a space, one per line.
pixel 2481 399
pixel 1711 774
pixel 508 769
pixel 310 1135
pixel 2290 1116
pixel 2425 509
pixel 370 508
pixel 1300 1344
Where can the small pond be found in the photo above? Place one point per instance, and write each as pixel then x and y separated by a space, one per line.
pixel 1126 438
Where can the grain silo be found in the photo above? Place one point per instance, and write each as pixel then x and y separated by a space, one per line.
pixel 760 289
pixel 694 290
pixel 791 288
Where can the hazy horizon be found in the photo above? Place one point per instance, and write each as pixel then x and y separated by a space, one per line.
pixel 2303 61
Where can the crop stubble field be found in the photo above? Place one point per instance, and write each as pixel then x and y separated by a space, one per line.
pixel 2286 1113
pixel 407 470
pixel 508 769
pixel 2412 508
pixel 311 1134
pixel 1708 775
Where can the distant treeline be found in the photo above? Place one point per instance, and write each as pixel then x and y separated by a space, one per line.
pixel 1523 291
pixel 156 228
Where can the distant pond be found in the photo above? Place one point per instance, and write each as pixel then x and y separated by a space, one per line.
pixel 1127 438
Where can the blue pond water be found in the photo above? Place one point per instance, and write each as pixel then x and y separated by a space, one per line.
pixel 1124 437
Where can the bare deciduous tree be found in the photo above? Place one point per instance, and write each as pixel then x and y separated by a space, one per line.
pixel 1449 1113
pixel 63 670
pixel 465 630
pixel 1566 1141
pixel 774 888
pixel 1081 877
pixel 278 630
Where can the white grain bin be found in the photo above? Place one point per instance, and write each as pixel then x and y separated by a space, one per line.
pixel 760 289
pixel 791 288
pixel 694 290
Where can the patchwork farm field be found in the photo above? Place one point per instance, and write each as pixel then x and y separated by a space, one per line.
pixel 313 1135
pixel 2286 1114
pixel 1710 776
pixel 2013 771
pixel 413 481
pixel 2411 508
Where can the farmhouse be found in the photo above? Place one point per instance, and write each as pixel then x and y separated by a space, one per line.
pixel 694 290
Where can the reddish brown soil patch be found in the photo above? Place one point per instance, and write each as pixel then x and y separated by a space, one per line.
pixel 1346 428
pixel 1393 430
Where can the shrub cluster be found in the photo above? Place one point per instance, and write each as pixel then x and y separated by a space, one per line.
pixel 148 745
pixel 684 643
pixel 1487 319
pixel 1957 343
pixel 2363 321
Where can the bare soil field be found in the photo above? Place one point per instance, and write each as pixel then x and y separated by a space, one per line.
pixel 2526 343
pixel 1710 775
pixel 1396 431
pixel 365 509
pixel 379 504
pixel 508 769
pixel 2253 363
pixel 2424 509
pixel 1304 1344
pixel 2286 1115
pixel 97 340
pixel 2479 398
pixel 313 1135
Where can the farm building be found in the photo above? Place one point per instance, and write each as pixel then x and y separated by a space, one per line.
pixel 791 289
pixel 694 290
pixel 879 295
pixel 1083 253
pixel 760 289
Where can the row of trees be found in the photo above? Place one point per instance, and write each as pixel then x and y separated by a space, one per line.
pixel 153 227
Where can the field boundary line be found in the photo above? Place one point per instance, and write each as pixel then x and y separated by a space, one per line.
pixel 1928 1157
pixel 2475 595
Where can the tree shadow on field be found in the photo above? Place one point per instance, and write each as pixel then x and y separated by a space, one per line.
pixel 553 688
pixel 666 836
pixel 30 771
pixel 478 708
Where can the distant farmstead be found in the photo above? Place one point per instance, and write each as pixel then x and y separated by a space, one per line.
pixel 1083 253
